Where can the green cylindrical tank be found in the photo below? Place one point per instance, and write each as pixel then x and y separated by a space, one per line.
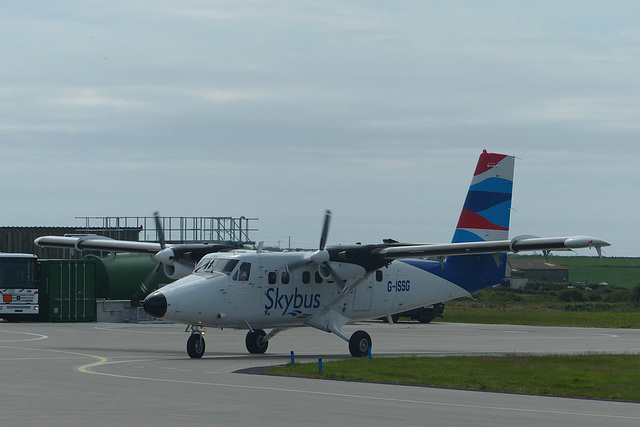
pixel 120 276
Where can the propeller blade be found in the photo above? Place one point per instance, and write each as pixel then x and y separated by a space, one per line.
pixel 325 229
pixel 159 230
pixel 145 285
pixel 321 255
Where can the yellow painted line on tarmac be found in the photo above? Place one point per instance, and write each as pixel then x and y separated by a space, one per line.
pixel 103 361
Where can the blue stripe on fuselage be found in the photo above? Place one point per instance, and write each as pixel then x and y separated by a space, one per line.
pixel 470 272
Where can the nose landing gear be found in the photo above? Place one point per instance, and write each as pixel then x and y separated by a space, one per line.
pixel 195 343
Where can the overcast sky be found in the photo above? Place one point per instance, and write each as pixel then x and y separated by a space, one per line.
pixel 282 109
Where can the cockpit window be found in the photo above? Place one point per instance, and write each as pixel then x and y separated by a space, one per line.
pixel 216 265
pixel 243 272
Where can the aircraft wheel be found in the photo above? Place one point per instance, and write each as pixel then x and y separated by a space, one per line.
pixel 425 319
pixel 359 344
pixel 195 346
pixel 255 342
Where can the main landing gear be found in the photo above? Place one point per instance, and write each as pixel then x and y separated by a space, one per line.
pixel 256 344
pixel 359 344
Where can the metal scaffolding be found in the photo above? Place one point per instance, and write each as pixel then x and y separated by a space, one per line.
pixel 177 229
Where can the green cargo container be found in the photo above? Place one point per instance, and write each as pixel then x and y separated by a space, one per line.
pixel 67 290
pixel 119 276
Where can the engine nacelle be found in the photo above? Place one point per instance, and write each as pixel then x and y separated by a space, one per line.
pixel 344 271
pixel 178 270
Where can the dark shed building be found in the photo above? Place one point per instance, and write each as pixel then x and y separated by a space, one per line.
pixel 520 270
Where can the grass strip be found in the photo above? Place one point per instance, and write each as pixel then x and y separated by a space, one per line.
pixel 522 316
pixel 598 376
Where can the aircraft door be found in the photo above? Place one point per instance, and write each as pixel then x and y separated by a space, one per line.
pixel 363 295
pixel 243 282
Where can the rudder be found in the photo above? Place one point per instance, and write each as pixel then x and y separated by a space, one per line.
pixel 487 208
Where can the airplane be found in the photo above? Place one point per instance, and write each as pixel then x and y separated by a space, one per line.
pixel 337 285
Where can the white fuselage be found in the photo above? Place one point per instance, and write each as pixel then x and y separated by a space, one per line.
pixel 264 290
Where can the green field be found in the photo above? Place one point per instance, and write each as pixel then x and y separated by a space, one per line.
pixel 623 272
pixel 602 293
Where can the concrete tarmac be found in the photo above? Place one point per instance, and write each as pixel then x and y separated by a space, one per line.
pixel 132 375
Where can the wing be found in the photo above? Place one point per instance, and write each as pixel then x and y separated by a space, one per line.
pixel 179 260
pixel 372 257
pixel 97 243
pixel 517 244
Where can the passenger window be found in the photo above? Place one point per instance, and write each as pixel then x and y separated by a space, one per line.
pixel 306 277
pixel 379 275
pixel 272 277
pixel 318 277
pixel 285 277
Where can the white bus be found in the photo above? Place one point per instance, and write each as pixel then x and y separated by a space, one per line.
pixel 18 285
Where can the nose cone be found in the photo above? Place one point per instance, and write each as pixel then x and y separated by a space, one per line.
pixel 155 305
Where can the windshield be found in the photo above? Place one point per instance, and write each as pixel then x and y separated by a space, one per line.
pixel 216 265
pixel 18 273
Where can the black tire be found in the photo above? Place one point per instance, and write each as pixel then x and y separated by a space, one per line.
pixel 425 319
pixel 195 346
pixel 255 341
pixel 359 344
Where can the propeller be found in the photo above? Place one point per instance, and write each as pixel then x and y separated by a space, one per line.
pixel 321 257
pixel 177 260
pixel 145 285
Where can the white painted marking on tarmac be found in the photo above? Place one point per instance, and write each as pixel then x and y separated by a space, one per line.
pixel 598 335
pixel 32 336
pixel 103 361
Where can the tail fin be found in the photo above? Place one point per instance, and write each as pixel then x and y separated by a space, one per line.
pixel 485 216
pixel 487 208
